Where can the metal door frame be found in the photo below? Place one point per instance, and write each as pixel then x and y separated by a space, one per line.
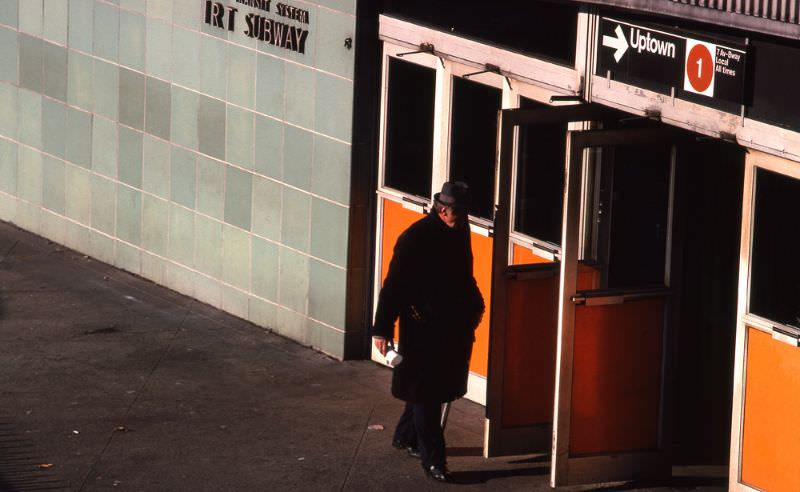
pixel 585 470
pixel 499 441
pixel 754 161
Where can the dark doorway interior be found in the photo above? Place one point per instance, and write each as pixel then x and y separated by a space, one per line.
pixel 710 175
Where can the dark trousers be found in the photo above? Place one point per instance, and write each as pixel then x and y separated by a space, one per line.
pixel 420 426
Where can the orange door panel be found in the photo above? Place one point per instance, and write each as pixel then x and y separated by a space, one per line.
pixel 616 370
pixel 771 437
pixel 524 256
pixel 530 351
pixel 482 270
pixel 396 219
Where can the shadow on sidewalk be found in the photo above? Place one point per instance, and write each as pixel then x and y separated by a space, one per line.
pixel 678 483
pixel 483 476
pixel 19 468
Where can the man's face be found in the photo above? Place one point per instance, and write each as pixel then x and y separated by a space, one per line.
pixel 451 216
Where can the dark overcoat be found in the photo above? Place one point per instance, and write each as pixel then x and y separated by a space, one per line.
pixel 430 287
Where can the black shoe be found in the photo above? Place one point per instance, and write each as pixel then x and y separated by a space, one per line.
pixel 413 451
pixel 438 473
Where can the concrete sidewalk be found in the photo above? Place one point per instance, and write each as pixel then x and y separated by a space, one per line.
pixel 108 381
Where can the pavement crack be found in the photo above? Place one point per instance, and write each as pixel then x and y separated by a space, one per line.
pixel 358 448
pixel 135 400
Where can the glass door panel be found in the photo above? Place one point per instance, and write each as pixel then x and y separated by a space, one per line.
pixel 408 154
pixel 473 141
pixel 539 183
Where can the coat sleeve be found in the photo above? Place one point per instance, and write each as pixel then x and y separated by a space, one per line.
pixel 394 293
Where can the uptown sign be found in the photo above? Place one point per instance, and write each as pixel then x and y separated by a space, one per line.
pixel 704 67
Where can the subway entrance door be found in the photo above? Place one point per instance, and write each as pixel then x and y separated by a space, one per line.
pixel 525 275
pixel 765 438
pixel 610 395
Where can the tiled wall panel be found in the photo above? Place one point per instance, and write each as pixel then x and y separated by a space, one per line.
pixel 198 157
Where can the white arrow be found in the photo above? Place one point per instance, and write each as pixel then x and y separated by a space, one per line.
pixel 618 43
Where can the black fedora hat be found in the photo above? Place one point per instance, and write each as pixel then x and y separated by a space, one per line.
pixel 454 194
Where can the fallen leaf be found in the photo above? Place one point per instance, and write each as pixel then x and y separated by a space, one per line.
pixel 44 466
pixel 301 459
pixel 376 427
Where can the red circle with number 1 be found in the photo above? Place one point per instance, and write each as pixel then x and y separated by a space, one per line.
pixel 699 67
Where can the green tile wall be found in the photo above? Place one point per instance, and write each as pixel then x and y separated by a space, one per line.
pixel 293 280
pixel 132 44
pixel 104 204
pixel 158 61
pixel 183 176
pixel 54 130
pixel 198 158
pixel 78 194
pixel 330 173
pixel 238 197
pixel 236 257
pixel 329 223
pixel 185 57
pixel 298 153
pixel 80 80
pixel 81 25
pixel 31 62
pixel 56 15
pixel 214 67
pixel 211 127
pixel 29 118
pixel 156 166
pixel 106 31
pixel 8 110
pixel 296 210
pixel 130 157
pixel 158 108
pixel 106 89
pixel 53 184
pixel 9 48
pixel 265 268
pixel 79 138
pixel 31 13
pixel 129 214
pixel 183 117
pixel 155 224
pixel 131 98
pixel 9 12
pixel 208 246
pixel 8 166
pixel 55 71
pixel 241 76
pixel 268 158
pixel 211 187
pixel 267 199
pixel 299 106
pixel 239 137
pixel 181 235
pixel 104 146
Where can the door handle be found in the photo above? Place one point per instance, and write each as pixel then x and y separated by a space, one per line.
pixel 598 301
pixel 608 297
pixel 785 336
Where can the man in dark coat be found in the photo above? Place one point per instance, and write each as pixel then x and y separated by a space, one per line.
pixel 430 287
